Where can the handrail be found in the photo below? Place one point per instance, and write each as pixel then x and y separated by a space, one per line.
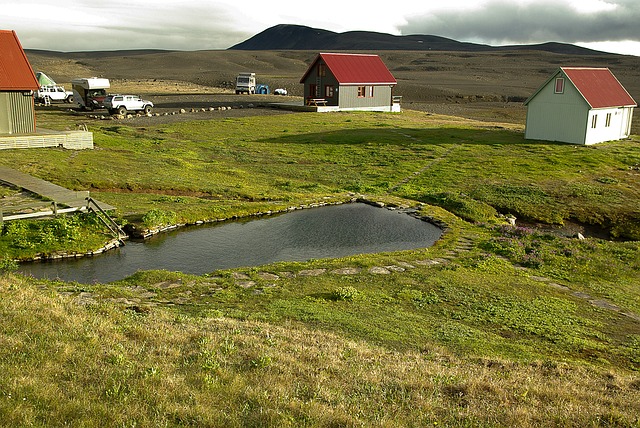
pixel 111 224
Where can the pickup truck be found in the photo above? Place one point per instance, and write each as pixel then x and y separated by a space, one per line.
pixel 121 104
pixel 49 93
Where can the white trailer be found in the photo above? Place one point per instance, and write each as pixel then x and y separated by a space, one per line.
pixel 246 82
pixel 90 92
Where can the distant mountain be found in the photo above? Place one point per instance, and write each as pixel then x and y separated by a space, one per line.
pixel 299 37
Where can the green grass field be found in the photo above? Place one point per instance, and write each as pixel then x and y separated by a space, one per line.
pixel 493 326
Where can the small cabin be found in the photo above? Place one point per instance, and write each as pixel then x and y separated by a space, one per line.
pixel 340 81
pixel 17 85
pixel 580 105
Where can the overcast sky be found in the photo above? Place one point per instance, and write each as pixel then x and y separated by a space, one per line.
pixel 88 25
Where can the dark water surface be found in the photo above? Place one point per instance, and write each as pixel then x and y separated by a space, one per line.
pixel 326 232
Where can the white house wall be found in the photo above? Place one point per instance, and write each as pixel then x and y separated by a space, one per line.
pixel 557 117
pixel 618 127
pixel 381 100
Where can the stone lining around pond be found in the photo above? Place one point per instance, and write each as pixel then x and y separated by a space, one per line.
pixel 136 233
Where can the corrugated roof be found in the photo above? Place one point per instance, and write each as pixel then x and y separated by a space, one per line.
pixel 599 87
pixel 354 69
pixel 16 73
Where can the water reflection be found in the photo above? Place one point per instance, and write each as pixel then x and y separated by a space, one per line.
pixel 326 232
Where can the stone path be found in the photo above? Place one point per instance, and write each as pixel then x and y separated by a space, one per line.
pixel 145 299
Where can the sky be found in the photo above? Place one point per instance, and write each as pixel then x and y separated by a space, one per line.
pixel 91 25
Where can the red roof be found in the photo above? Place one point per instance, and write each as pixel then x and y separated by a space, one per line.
pixel 354 69
pixel 16 73
pixel 599 87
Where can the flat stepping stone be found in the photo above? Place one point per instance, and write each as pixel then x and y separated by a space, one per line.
pixel 312 272
pixel 287 274
pixel 267 276
pixel 240 275
pixel 395 268
pixel 246 284
pixel 167 284
pixel 406 265
pixel 539 278
pixel 347 271
pixel 377 270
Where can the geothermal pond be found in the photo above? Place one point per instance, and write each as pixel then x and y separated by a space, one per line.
pixel 325 232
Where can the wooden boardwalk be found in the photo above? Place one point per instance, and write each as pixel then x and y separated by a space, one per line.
pixel 60 195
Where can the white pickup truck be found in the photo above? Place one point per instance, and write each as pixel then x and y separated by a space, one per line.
pixel 49 93
pixel 121 104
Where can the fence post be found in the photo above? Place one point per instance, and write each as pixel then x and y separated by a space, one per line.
pixel 55 209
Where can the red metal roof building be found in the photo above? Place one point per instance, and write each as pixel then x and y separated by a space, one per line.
pixel 580 105
pixel 350 82
pixel 16 73
pixel 599 87
pixel 17 83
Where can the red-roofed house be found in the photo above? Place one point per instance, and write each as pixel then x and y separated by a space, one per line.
pixel 17 83
pixel 580 105
pixel 350 82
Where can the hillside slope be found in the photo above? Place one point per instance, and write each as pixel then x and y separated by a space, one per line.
pixel 299 37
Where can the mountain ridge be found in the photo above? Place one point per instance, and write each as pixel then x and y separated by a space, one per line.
pixel 300 37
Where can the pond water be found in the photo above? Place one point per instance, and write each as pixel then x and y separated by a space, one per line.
pixel 325 232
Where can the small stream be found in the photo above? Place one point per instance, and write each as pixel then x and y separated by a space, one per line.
pixel 326 232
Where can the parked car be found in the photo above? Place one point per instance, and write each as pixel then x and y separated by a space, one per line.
pixel 121 104
pixel 49 93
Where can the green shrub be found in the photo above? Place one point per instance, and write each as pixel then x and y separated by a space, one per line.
pixel 158 217
pixel 345 293
pixel 461 205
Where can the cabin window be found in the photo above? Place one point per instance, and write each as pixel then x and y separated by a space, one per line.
pixel 322 70
pixel 371 91
pixel 361 91
pixel 313 91
pixel 328 91
pixel 607 122
pixel 594 121
pixel 559 85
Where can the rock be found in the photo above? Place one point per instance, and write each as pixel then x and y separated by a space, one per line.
pixel 346 271
pixel 377 270
pixel 268 276
pixel 312 272
pixel 246 284
pixel 580 236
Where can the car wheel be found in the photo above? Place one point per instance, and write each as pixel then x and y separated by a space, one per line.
pixel 147 109
pixel 122 110
pixel 70 99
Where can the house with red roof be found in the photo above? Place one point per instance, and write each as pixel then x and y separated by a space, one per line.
pixel 580 105
pixel 341 81
pixel 17 83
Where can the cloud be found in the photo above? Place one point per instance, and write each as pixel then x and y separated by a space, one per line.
pixel 140 24
pixel 503 22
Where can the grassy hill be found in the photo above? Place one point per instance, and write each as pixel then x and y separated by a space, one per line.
pixel 493 326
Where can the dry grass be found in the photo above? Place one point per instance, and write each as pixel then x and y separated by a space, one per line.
pixel 104 366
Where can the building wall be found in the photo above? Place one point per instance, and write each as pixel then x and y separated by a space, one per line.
pixel 380 101
pixel 610 124
pixel 17 115
pixel 557 117
pixel 346 97
pixel 321 82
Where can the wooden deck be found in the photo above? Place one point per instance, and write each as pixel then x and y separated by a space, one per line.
pixel 62 199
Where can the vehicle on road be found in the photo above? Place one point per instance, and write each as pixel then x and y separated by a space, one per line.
pixel 246 82
pixel 121 104
pixel 90 93
pixel 49 93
